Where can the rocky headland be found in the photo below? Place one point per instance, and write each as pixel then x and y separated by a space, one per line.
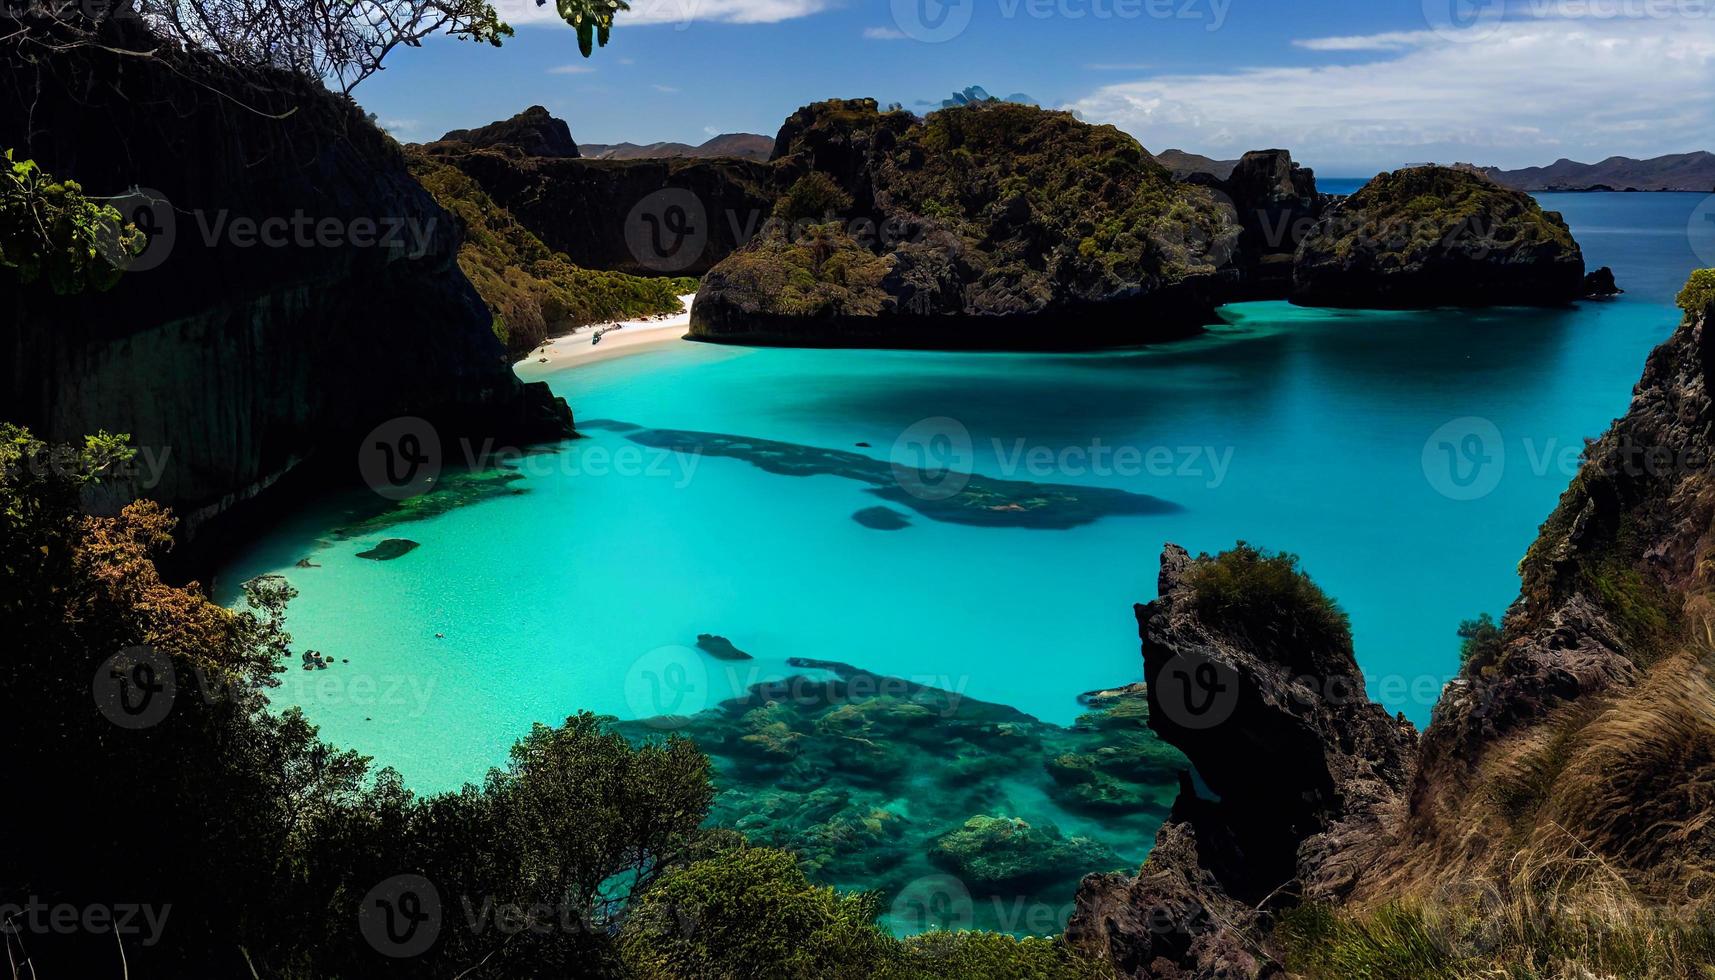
pixel 1560 788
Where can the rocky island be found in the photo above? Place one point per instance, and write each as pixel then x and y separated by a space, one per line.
pixel 1436 236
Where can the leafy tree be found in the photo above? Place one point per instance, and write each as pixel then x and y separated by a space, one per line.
pixel 1699 291
pixel 750 912
pixel 49 231
pixel 1479 640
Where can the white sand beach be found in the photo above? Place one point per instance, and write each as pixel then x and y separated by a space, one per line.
pixel 628 338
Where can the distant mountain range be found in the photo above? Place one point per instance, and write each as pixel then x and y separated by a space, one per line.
pixel 745 146
pixel 1676 172
pixel 1184 164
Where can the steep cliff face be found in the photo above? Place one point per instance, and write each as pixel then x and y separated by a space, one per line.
pixel 1297 762
pixel 1591 716
pixel 645 217
pixel 1554 820
pixel 299 287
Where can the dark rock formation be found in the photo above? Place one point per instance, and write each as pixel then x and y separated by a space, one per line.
pixel 1303 766
pixel 244 342
pixel 970 229
pixel 1601 283
pixel 1434 236
pixel 720 648
pixel 533 132
pixel 649 217
pixel 1277 206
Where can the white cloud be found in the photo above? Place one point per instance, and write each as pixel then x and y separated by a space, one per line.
pixel 664 88
pixel 1390 41
pixel 571 69
pixel 883 34
pixel 681 13
pixel 1528 93
pixel 404 130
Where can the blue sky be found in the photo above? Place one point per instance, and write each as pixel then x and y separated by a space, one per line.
pixel 1351 87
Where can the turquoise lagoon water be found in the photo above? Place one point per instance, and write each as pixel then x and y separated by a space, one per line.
pixel 1303 430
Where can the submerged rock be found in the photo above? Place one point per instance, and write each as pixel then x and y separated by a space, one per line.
pixel 996 853
pixel 1434 236
pixel 389 549
pixel 874 780
pixel 882 519
pixel 956 498
pixel 720 647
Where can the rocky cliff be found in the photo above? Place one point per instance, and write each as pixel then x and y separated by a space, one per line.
pixel 1436 236
pixel 299 286
pixel 984 225
pixel 649 217
pixel 1555 818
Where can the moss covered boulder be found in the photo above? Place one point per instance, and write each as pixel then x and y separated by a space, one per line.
pixel 1435 236
pixel 995 853
pixel 982 226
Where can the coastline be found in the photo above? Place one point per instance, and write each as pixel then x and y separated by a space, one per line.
pixel 633 336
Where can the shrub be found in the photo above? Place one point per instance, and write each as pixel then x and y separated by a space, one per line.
pixel 1265 598
pixel 1479 640
pixel 1699 292
pixel 51 232
pixel 813 197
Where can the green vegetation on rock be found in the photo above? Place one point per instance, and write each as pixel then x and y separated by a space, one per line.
pixel 1438 236
pixel 1699 292
pixel 1267 598
pixel 51 232
pixel 534 291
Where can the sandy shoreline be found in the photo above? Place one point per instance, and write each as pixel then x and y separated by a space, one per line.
pixel 632 336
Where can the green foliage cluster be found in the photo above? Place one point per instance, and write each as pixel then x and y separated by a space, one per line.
pixel 1009 178
pixel 749 912
pixel 1479 640
pixel 532 290
pixel 1020 206
pixel 584 856
pixel 813 271
pixel 1267 600
pixel 1405 215
pixel 1699 292
pixel 50 232
pixel 812 197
